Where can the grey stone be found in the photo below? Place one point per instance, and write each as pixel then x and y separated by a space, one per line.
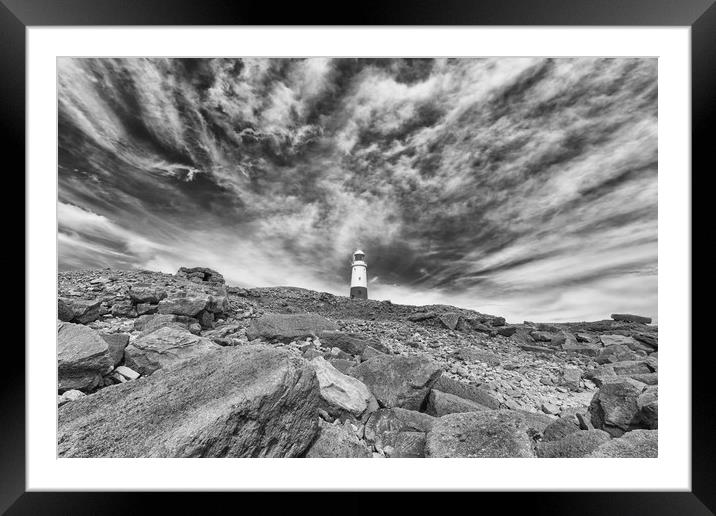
pixel 651 339
pixel 116 342
pixel 370 352
pixel 614 407
pixel 441 403
pixel 202 274
pixel 70 395
pixel 631 318
pixel 576 444
pixel 450 320
pixel 83 311
pixel 637 443
pixel 616 353
pixel 146 294
pixel 507 331
pixel 82 357
pixel 188 306
pixel 409 445
pixel 648 404
pixel 149 323
pixel 123 309
pixel 64 312
pixel 165 347
pixel 464 390
pixel 288 327
pixel 398 381
pixel 336 441
pixel 342 393
pixel 250 401
pixel 489 433
pixel 559 428
pixel 126 372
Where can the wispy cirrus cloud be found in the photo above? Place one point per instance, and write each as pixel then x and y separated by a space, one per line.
pixel 522 186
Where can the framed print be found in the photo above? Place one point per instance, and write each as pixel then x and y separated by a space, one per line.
pixel 278 242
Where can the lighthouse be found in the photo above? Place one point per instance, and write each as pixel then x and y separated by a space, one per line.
pixel 359 276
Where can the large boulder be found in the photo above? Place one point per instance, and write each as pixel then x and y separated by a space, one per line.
pixel 489 433
pixel 189 306
pixel 342 393
pixel 466 391
pixel 82 311
pixel 252 401
pixel 637 443
pixel 398 381
pixel 146 294
pixel 288 327
pixel 165 347
pixel 82 357
pixel 338 441
pixel 442 403
pixel 408 445
pixel 615 407
pixel 648 403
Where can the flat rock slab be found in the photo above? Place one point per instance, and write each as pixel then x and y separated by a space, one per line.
pixel 466 391
pixel 615 406
pixel 252 401
pixel 342 393
pixel 165 347
pixel 441 403
pixel 189 306
pixel 398 381
pixel 82 357
pixel 288 327
pixel 490 433
pixel 637 443
pixel 77 310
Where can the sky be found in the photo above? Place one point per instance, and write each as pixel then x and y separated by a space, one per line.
pixel 521 187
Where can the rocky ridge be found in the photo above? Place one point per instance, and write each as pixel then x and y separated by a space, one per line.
pixel 154 364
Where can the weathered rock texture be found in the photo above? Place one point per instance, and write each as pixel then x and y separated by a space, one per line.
pixel 286 327
pixel 238 402
pixel 489 433
pixel 398 381
pixel 82 357
pixel 165 347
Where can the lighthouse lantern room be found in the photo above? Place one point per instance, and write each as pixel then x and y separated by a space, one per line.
pixel 359 276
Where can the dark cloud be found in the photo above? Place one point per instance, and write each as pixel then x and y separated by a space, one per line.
pixel 522 186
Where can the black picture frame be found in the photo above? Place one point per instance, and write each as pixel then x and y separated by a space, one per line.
pixel 17 15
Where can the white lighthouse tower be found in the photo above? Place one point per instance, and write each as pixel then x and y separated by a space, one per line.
pixel 359 276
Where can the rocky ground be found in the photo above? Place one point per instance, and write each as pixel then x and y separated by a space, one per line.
pixel 161 365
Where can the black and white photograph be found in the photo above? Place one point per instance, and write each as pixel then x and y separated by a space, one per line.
pixel 316 257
